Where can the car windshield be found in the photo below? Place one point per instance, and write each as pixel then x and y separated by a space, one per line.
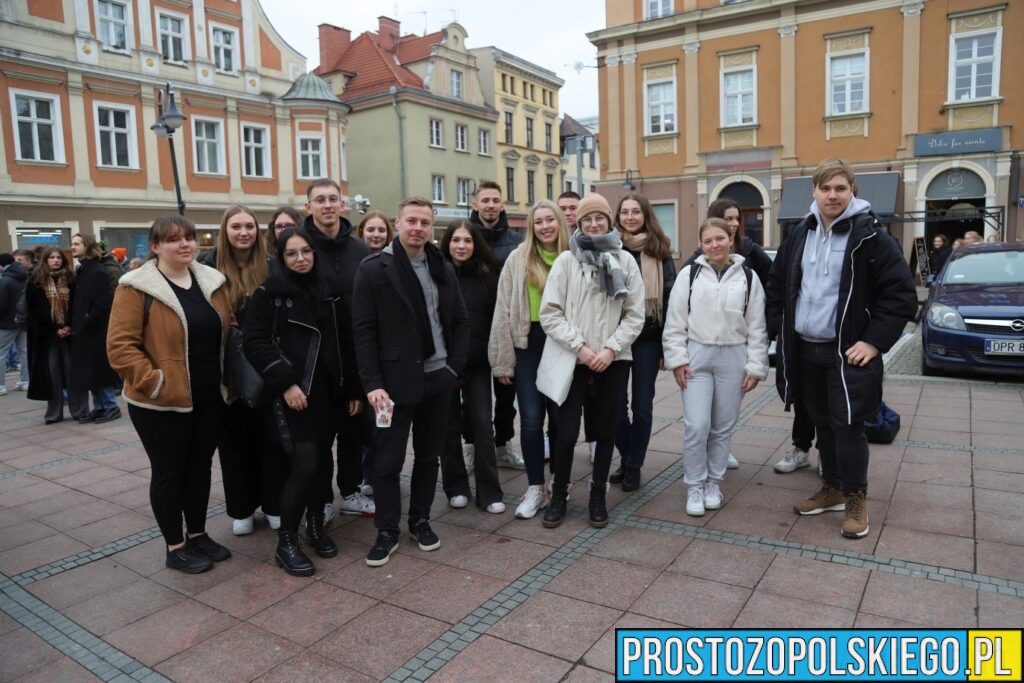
pixel 984 268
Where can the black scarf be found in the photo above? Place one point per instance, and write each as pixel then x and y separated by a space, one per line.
pixel 435 264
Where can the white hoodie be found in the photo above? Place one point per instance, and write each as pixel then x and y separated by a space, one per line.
pixel 716 317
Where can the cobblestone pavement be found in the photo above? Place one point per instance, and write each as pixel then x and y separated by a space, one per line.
pixel 84 594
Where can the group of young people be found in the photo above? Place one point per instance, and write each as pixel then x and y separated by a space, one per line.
pixel 361 335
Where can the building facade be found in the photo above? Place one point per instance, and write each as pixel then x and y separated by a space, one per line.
pixel 702 99
pixel 528 156
pixel 580 158
pixel 419 124
pixel 80 88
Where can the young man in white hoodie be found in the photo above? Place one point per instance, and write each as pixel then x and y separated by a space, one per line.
pixel 838 296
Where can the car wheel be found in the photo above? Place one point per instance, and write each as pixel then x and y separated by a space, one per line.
pixel 926 369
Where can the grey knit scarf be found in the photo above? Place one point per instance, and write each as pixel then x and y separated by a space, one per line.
pixel 600 252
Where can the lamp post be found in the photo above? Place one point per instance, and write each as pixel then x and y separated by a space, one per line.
pixel 628 184
pixel 170 120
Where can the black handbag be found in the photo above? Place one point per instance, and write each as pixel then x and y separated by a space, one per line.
pixel 239 374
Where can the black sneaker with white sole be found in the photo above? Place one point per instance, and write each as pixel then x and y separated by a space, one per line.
pixel 425 536
pixel 380 553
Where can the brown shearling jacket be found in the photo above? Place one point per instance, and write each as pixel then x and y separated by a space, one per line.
pixel 153 358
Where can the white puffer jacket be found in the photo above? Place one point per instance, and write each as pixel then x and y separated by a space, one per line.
pixel 714 315
pixel 510 327
pixel 575 312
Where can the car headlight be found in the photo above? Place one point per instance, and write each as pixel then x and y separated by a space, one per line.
pixel 941 315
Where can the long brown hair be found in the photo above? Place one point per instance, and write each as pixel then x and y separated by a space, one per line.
pixel 482 252
pixel 241 281
pixel 42 271
pixel 536 269
pixel 658 245
pixel 92 247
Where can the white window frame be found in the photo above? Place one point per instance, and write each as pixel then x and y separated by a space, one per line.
pixel 724 97
pixel 997 49
pixel 222 168
pixel 320 154
pixel 462 191
pixel 831 84
pixel 235 48
pixel 186 42
pixel 437 189
pixel 130 131
pixel 483 142
pixel 461 137
pixel 456 83
pixel 128 26
pixel 263 149
pixel 56 123
pixel 656 9
pixel 660 82
pixel 437 133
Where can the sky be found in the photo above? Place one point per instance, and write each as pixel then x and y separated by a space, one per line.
pixel 549 33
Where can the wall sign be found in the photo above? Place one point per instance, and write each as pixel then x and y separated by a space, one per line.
pixel 958 142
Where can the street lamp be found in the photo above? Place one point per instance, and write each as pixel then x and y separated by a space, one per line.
pixel 170 120
pixel 628 182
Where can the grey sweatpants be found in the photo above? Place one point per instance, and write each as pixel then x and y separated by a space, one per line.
pixel 711 406
pixel 20 339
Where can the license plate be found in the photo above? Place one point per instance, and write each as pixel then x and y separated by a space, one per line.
pixel 1004 347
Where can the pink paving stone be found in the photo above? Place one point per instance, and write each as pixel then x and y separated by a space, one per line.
pixel 115 486
pixel 640 546
pixel 865 620
pixel 1000 528
pixel 602 654
pixel 194 584
pixel 32 456
pixel 23 652
pixel 312 613
pixel 821 582
pixel 447 593
pixel 954 552
pixel 723 562
pixel 63 669
pixel 307 667
pixel 23 532
pixel 555 625
pixel 532 530
pixel 169 631
pixel 1002 481
pixel 112 528
pixel 240 654
pixel 999 611
pixel 937 520
pixel 603 582
pixel 670 506
pixel 379 582
pixel 921 601
pixel 81 584
pixel 999 559
pixel 145 559
pixel 769 610
pixel 691 601
pixel 252 590
pixel 491 659
pixel 584 674
pixel 380 640
pixel 7 624
pixel 999 502
pixel 934 473
pixel 37 553
pixel 89 511
pixel 501 557
pixel 20 495
pixel 823 530
pixel 92 475
pixel 753 521
pixel 121 606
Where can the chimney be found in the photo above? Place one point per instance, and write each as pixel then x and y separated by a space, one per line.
pixel 334 40
pixel 388 33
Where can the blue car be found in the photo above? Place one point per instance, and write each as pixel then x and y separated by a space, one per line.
pixel 973 320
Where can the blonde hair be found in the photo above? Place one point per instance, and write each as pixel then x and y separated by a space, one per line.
pixel 241 281
pixel 536 269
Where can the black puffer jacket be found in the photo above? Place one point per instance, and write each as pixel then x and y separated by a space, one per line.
pixel 90 316
pixel 501 238
pixel 480 294
pixel 753 255
pixel 876 300
pixel 652 328
pixel 12 283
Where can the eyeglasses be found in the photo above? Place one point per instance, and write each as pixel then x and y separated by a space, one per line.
pixel 282 226
pixel 325 199
pixel 593 219
pixel 305 252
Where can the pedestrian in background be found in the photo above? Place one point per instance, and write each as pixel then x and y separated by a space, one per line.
pixel 13 335
pixel 284 217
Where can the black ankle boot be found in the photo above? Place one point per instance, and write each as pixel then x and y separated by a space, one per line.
pixel 556 508
pixel 617 475
pixel 315 536
pixel 598 510
pixel 290 557
pixel 630 479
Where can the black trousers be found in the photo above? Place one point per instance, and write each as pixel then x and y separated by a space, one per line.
pixel 471 413
pixel 609 390
pixel 803 428
pixel 428 420
pixel 350 433
pixel 58 362
pixel 252 463
pixel 843 447
pixel 180 449
pixel 504 412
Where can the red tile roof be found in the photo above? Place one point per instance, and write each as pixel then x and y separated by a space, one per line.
pixel 376 70
pixel 413 48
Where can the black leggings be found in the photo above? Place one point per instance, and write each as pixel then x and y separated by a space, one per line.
pixel 180 448
pixel 311 463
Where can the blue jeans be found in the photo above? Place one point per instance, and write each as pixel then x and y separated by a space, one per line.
pixel 532 406
pixel 103 398
pixel 632 438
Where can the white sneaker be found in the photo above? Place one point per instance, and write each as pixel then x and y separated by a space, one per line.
pixel 366 489
pixel 328 512
pixel 793 460
pixel 712 495
pixel 22 386
pixel 732 463
pixel 468 456
pixel 275 521
pixel 593 450
pixel 357 504
pixel 458 502
pixel 509 456
pixel 695 501
pixel 497 507
pixel 242 527
pixel 533 501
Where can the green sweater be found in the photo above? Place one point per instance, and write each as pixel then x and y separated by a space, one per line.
pixel 533 292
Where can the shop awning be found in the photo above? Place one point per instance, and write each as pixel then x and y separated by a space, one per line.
pixel 878 188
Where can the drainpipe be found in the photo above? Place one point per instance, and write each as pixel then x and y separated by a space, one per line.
pixel 393 91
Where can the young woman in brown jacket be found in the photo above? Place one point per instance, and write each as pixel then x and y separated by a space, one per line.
pixel 166 339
